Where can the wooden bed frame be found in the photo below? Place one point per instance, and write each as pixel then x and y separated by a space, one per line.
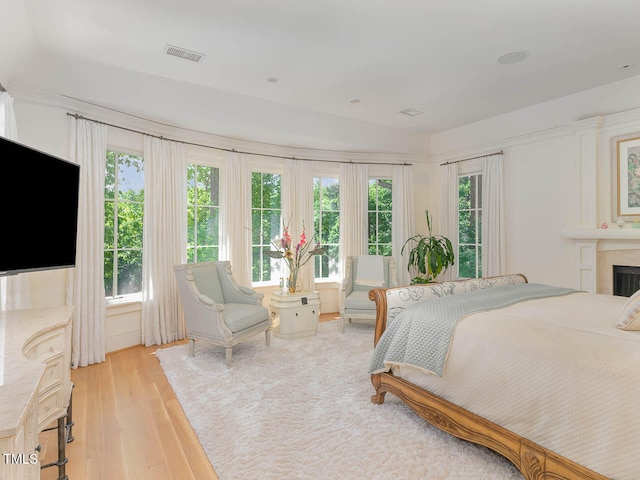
pixel 534 461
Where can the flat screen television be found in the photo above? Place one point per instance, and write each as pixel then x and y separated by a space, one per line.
pixel 39 202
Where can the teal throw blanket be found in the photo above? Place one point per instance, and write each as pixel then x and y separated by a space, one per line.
pixel 421 335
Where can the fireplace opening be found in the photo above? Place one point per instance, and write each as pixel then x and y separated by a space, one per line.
pixel 626 280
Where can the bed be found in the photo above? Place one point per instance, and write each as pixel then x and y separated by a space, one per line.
pixel 550 382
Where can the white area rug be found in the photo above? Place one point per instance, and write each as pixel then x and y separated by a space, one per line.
pixel 301 409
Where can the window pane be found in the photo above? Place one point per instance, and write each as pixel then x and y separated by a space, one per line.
pixel 469 226
pixel 129 271
pixel 109 220
pixel 464 228
pixel 467 261
pixel 265 260
pixel 464 193
pixel 130 224
pixel 110 176
pixel 256 229
pixel 326 225
pixel 373 224
pixel 266 223
pixel 473 192
pixel 384 227
pixel 203 214
pixel 108 273
pixel 271 190
pixel 331 194
pixel 207 254
pixel 191 225
pixel 130 177
pixel 384 195
pixel 272 225
pixel 380 216
pixel 256 190
pixel 207 230
pixel 123 220
pixel 330 228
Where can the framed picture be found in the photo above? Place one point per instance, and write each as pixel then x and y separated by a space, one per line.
pixel 628 176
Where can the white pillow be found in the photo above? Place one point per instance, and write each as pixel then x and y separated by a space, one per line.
pixel 629 317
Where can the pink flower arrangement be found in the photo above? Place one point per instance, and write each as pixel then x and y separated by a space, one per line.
pixel 295 256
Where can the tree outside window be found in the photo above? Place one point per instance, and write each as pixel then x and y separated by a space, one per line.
pixel 326 213
pixel 470 226
pixel 203 213
pixel 123 209
pixel 266 223
pixel 380 218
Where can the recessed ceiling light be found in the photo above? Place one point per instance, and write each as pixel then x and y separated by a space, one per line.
pixel 272 79
pixel 512 57
pixel 355 100
pixel 411 112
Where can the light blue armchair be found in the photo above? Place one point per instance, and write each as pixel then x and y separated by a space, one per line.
pixel 217 309
pixel 355 303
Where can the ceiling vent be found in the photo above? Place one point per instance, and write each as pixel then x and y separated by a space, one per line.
pixel 183 53
pixel 411 112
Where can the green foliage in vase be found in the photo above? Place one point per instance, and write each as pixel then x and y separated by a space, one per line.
pixel 429 256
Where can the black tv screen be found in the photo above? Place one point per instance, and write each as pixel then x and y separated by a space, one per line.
pixel 39 202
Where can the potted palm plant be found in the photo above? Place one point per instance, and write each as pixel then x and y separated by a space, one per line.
pixel 429 256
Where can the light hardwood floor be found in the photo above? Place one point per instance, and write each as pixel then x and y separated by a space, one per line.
pixel 129 424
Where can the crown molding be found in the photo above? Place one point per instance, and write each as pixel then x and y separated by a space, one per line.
pixel 135 122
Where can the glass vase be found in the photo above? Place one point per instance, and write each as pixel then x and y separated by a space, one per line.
pixel 293 280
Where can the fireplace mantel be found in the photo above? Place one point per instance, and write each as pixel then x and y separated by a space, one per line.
pixel 597 249
pixel 611 233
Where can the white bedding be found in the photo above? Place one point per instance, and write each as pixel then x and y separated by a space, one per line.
pixel 556 371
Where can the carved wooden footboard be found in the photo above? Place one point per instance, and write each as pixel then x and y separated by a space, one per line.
pixel 534 461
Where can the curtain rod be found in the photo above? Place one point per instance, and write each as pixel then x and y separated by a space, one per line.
pixel 81 117
pixel 472 158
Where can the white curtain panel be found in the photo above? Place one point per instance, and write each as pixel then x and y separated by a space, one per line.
pixel 8 125
pixel 15 291
pixel 493 223
pixel 235 216
pixel 449 215
pixel 354 219
pixel 403 218
pixel 298 211
pixel 85 282
pixel 164 239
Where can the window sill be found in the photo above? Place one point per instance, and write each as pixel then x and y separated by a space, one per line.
pixel 124 299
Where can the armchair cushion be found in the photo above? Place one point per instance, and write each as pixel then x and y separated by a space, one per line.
pixel 238 316
pixel 359 300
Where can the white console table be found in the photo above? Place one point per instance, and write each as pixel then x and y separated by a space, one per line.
pixel 295 315
pixel 35 385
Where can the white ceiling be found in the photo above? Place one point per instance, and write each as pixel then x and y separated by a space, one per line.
pixel 438 57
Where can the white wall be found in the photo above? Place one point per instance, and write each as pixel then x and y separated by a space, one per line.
pixel 43 123
pixel 542 159
pixel 547 154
